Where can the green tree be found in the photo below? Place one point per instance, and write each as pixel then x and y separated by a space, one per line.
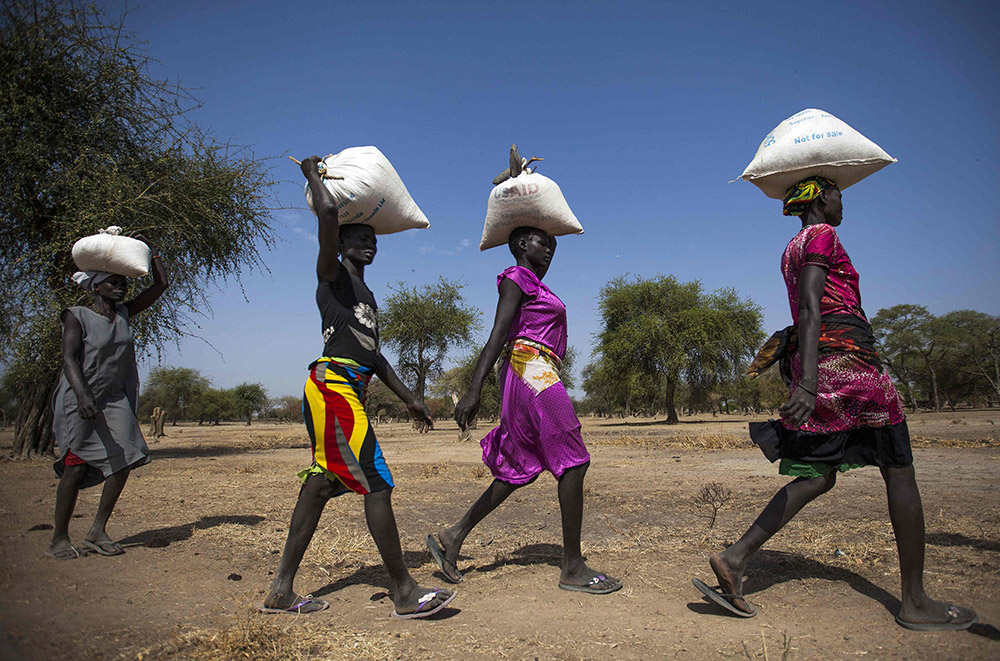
pixel 249 398
pixel 89 139
pixel 662 327
pixel 287 408
pixel 898 331
pixel 213 406
pixel 176 389
pixel 977 340
pixel 422 324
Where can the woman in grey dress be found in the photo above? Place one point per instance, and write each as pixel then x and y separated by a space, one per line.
pixel 94 421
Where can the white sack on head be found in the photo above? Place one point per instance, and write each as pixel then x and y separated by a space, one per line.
pixel 108 251
pixel 369 191
pixel 528 199
pixel 810 143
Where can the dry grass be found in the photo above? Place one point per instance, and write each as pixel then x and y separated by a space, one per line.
pixel 985 442
pixel 681 441
pixel 265 638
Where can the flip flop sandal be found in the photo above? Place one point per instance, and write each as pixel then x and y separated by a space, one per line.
pixel 448 568
pixel 102 547
pixel 613 584
pixel 954 612
pixel 723 599
pixel 422 604
pixel 299 607
pixel 72 553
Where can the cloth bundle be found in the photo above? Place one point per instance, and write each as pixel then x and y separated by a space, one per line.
pixel 109 251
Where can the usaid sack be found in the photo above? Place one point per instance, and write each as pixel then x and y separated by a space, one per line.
pixel 811 143
pixel 108 251
pixel 528 199
pixel 368 191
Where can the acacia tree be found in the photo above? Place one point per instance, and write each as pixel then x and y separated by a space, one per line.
pixel 662 328
pixel 978 344
pixel 249 398
pixel 89 139
pixel 178 390
pixel 898 332
pixel 422 324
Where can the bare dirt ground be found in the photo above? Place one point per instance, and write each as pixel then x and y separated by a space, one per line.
pixel 204 523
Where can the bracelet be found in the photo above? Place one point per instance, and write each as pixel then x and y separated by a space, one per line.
pixel 802 387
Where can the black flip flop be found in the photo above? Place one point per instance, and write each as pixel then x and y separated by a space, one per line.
pixel 102 547
pixel 722 599
pixel 954 612
pixel 448 568
pixel 599 584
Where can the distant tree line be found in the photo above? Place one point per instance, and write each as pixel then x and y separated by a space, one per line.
pixel 186 395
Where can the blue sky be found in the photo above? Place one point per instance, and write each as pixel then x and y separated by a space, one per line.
pixel 643 112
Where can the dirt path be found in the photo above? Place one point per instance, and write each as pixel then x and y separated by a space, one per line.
pixel 204 523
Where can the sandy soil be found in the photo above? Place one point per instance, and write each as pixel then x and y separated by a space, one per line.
pixel 204 523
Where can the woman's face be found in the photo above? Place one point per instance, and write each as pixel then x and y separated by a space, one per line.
pixel 359 245
pixel 833 211
pixel 114 288
pixel 539 249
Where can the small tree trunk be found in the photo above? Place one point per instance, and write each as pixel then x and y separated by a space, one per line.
pixel 671 410
pixel 33 430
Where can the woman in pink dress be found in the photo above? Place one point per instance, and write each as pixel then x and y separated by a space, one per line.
pixel 539 430
pixel 843 412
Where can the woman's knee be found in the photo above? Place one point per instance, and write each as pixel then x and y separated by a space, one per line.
pixel 899 475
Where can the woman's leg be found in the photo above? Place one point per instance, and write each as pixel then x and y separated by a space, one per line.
pixel 405 592
pixel 452 538
pixel 907 515
pixel 731 563
pixel 313 496
pixel 109 498
pixel 575 571
pixel 66 494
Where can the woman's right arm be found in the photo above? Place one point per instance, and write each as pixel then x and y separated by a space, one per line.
pixel 508 305
pixel 802 402
pixel 327 264
pixel 72 345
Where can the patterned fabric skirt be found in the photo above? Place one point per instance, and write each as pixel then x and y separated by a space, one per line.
pixel 858 420
pixel 538 428
pixel 344 447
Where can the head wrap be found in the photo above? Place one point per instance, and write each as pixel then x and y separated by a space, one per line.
pixel 90 279
pixel 800 196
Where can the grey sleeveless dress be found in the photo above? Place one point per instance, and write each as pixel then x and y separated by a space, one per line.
pixel 113 441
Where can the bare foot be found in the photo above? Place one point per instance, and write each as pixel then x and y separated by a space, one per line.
pixel 730 581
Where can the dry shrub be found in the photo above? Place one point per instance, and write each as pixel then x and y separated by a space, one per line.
pixel 480 471
pixel 264 638
pixel 714 497
pixel 275 441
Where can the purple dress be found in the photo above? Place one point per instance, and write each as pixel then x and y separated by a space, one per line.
pixel 538 427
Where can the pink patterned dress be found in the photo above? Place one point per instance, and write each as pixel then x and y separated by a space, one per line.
pixel 858 420
pixel 538 428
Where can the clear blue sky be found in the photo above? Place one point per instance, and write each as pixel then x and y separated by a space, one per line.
pixel 643 112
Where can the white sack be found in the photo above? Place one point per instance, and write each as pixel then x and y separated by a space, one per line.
pixel 370 192
pixel 527 199
pixel 107 251
pixel 810 143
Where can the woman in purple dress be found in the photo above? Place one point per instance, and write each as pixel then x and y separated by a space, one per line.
pixel 538 429
pixel 843 412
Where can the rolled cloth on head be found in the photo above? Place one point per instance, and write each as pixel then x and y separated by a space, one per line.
pixel 90 279
pixel 800 196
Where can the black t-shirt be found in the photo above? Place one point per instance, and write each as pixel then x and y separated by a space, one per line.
pixel 350 319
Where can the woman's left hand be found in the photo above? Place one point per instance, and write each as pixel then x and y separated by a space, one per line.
pixel 798 408
pixel 420 414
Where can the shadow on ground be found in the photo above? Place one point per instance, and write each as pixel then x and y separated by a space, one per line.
pixel 161 537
